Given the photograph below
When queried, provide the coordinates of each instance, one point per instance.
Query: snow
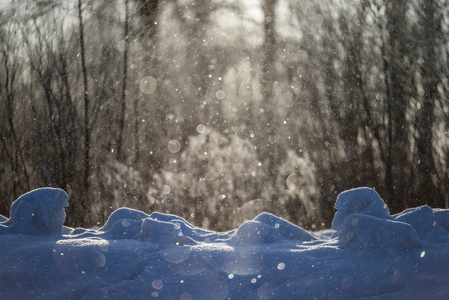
(367, 254)
(364, 232)
(38, 212)
(362, 200)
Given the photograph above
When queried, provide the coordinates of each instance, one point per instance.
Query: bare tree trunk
(119, 154)
(86, 109)
(267, 78)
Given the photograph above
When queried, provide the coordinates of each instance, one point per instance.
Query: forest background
(213, 110)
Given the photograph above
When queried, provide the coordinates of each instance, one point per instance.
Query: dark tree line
(217, 110)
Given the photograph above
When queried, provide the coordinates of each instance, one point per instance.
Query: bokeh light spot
(157, 284)
(165, 189)
(220, 95)
(121, 45)
(174, 146)
(148, 85)
(186, 296)
(201, 128)
(293, 181)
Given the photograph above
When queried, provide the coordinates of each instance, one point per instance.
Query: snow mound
(363, 200)
(421, 218)
(126, 223)
(195, 233)
(40, 211)
(144, 256)
(372, 233)
(285, 228)
(123, 214)
(125, 229)
(161, 232)
(256, 233)
(267, 228)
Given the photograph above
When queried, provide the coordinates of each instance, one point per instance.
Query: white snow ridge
(368, 254)
(38, 212)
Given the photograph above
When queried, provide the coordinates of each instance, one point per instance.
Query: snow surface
(368, 254)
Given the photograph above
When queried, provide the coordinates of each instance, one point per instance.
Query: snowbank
(364, 201)
(139, 256)
(38, 212)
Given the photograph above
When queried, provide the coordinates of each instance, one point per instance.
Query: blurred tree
(9, 133)
(396, 67)
(125, 45)
(268, 123)
(87, 135)
(425, 175)
(209, 181)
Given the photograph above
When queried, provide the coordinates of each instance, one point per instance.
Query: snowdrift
(367, 254)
